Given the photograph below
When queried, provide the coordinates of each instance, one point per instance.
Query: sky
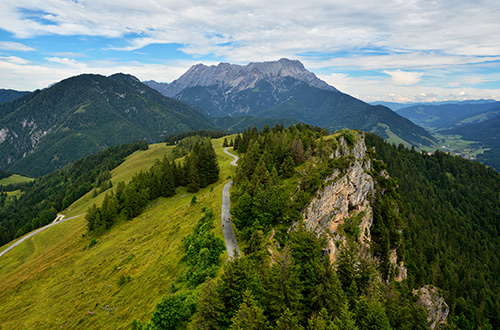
(391, 50)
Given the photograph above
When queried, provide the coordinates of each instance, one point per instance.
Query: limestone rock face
(400, 271)
(234, 78)
(434, 304)
(347, 193)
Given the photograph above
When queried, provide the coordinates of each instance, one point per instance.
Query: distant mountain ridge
(447, 116)
(7, 95)
(235, 78)
(47, 129)
(486, 133)
(396, 106)
(285, 89)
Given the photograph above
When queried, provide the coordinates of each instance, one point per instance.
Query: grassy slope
(14, 178)
(53, 279)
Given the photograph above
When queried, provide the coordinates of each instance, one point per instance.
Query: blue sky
(393, 50)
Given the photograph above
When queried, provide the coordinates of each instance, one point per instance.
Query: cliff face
(347, 195)
(434, 304)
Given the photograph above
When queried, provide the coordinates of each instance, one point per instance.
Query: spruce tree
(288, 321)
(209, 311)
(287, 167)
(249, 316)
(283, 291)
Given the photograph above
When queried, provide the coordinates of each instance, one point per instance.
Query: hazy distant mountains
(7, 95)
(396, 106)
(285, 89)
(47, 129)
(446, 116)
(486, 131)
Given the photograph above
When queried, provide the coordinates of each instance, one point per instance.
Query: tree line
(199, 169)
(43, 198)
(173, 139)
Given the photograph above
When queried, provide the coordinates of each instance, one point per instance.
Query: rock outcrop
(347, 194)
(437, 309)
(234, 78)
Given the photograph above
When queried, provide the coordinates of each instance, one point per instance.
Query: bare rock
(346, 193)
(434, 304)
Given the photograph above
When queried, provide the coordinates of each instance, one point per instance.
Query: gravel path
(58, 219)
(227, 227)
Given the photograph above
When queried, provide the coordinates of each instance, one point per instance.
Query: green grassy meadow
(55, 280)
(14, 178)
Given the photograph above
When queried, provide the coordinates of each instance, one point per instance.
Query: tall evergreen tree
(209, 310)
(249, 316)
(288, 321)
(283, 291)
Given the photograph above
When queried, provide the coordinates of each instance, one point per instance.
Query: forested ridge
(43, 198)
(451, 208)
(295, 287)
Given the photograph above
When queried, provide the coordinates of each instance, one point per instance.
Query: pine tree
(209, 311)
(91, 217)
(283, 292)
(345, 319)
(249, 316)
(319, 321)
(287, 167)
(288, 321)
(225, 143)
(109, 210)
(371, 315)
(193, 178)
(297, 151)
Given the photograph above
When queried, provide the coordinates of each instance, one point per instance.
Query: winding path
(58, 219)
(227, 227)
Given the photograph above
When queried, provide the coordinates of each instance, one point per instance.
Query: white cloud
(20, 74)
(269, 27)
(405, 78)
(13, 59)
(375, 88)
(15, 46)
(412, 41)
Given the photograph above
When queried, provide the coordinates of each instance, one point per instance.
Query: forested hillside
(41, 199)
(451, 207)
(85, 114)
(284, 280)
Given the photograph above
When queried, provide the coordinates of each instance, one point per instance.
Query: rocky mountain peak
(234, 78)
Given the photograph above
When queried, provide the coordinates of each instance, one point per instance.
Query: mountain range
(450, 115)
(396, 106)
(285, 89)
(85, 114)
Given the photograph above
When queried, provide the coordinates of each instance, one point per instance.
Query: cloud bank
(411, 41)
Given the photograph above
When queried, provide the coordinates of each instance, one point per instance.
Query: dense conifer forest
(451, 208)
(42, 199)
